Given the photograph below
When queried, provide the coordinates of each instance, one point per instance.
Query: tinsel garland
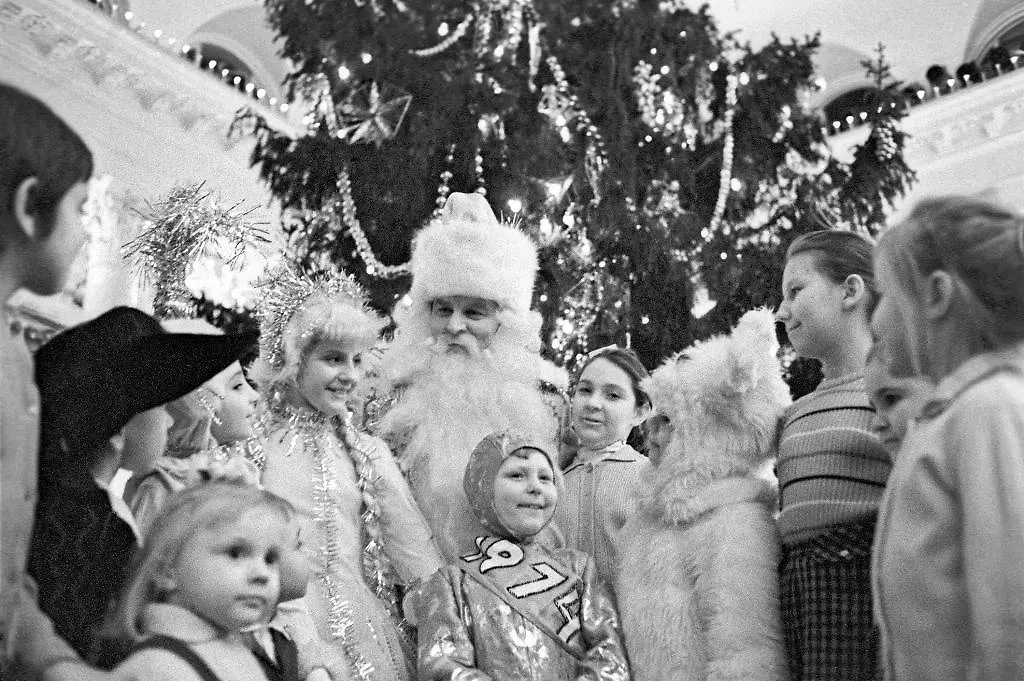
(184, 227)
(596, 160)
(283, 291)
(374, 266)
(309, 428)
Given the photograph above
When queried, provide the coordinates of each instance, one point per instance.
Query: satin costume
(511, 609)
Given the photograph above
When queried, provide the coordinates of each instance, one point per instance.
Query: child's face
(145, 439)
(57, 251)
(237, 407)
(295, 567)
(329, 375)
(524, 492)
(896, 402)
(604, 405)
(463, 324)
(811, 307)
(230, 574)
(658, 431)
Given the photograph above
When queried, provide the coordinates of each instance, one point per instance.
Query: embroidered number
(501, 553)
(568, 605)
(549, 579)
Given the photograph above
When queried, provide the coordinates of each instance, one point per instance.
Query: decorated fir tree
(659, 163)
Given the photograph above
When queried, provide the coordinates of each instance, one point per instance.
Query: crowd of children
(515, 533)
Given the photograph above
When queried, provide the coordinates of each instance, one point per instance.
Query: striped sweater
(831, 468)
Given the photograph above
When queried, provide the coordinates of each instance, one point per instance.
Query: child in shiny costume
(510, 608)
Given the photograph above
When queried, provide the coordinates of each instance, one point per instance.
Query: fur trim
(467, 252)
(724, 398)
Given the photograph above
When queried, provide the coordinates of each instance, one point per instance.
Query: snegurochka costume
(513, 609)
(363, 533)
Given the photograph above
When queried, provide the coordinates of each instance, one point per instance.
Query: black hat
(93, 378)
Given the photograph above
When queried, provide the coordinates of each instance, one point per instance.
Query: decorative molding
(956, 123)
(71, 40)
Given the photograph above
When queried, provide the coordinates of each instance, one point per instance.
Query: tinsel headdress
(183, 228)
(295, 309)
(467, 252)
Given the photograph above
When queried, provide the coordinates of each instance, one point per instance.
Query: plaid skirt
(825, 589)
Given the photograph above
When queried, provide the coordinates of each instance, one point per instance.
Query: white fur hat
(467, 252)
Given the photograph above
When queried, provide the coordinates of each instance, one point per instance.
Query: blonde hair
(978, 242)
(186, 513)
(318, 318)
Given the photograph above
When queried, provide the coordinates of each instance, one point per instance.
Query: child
(897, 400)
(102, 385)
(210, 570)
(44, 170)
(515, 609)
(359, 518)
(607, 403)
(949, 550)
(831, 468)
(207, 438)
(697, 584)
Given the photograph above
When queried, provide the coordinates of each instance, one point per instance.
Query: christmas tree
(660, 164)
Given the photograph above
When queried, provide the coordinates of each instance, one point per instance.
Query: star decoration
(372, 113)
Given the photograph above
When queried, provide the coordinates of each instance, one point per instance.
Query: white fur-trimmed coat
(698, 588)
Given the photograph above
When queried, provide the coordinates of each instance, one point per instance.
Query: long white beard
(449, 405)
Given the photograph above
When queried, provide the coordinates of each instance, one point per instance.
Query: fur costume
(697, 582)
(442, 405)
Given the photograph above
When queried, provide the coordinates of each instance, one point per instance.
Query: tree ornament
(884, 138)
(556, 105)
(372, 113)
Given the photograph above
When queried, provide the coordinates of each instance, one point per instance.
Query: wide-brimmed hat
(467, 252)
(93, 378)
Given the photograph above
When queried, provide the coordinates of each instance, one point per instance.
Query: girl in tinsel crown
(364, 534)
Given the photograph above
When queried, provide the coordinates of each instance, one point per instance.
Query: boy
(102, 384)
(44, 168)
(512, 608)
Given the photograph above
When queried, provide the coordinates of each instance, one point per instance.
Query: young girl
(949, 549)
(515, 609)
(831, 468)
(606, 405)
(364, 534)
(210, 570)
(207, 439)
